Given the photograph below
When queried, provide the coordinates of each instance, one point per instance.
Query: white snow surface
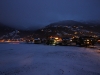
(38, 59)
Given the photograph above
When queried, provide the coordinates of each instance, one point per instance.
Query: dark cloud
(26, 13)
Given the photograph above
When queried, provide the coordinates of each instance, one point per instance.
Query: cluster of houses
(80, 41)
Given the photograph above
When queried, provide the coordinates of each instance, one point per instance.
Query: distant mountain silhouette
(67, 22)
(69, 27)
(61, 28)
(6, 30)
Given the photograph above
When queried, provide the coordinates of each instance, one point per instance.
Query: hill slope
(69, 28)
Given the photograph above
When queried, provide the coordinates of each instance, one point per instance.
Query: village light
(39, 38)
(75, 33)
(84, 40)
(87, 40)
(99, 40)
(42, 30)
(70, 40)
(56, 38)
(53, 44)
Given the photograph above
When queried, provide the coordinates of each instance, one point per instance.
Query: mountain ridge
(61, 28)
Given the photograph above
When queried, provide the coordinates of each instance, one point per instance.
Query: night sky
(27, 13)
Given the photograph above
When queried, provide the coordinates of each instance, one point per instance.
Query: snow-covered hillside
(69, 28)
(13, 35)
(33, 59)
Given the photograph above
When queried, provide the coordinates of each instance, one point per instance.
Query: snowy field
(38, 59)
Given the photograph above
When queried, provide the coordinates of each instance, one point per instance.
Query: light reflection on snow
(14, 43)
